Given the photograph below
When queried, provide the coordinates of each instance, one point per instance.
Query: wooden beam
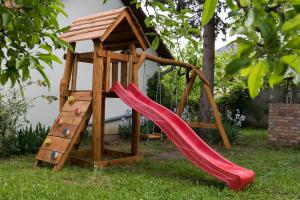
(115, 72)
(135, 115)
(124, 77)
(217, 117)
(186, 93)
(74, 73)
(65, 81)
(98, 69)
(202, 125)
(141, 60)
(142, 39)
(165, 61)
(107, 71)
(119, 161)
(113, 26)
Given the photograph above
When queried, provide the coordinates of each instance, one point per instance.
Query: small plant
(232, 125)
(29, 139)
(125, 129)
(13, 109)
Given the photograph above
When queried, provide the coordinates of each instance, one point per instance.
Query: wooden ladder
(66, 131)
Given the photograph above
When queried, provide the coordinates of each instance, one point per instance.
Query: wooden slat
(98, 69)
(100, 15)
(74, 73)
(119, 161)
(113, 16)
(124, 74)
(45, 155)
(82, 96)
(107, 72)
(130, 68)
(202, 125)
(113, 26)
(80, 31)
(99, 24)
(87, 36)
(82, 105)
(71, 117)
(186, 93)
(57, 131)
(58, 144)
(139, 35)
(115, 72)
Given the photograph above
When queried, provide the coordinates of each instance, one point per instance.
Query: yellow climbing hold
(71, 99)
(48, 142)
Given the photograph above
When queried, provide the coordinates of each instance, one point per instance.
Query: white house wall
(46, 113)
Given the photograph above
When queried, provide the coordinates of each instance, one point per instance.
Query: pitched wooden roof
(114, 26)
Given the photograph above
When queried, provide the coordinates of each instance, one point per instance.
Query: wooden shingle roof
(113, 26)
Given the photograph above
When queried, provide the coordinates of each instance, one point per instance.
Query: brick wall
(284, 124)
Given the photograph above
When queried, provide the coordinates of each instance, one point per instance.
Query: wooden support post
(114, 72)
(124, 76)
(217, 116)
(102, 125)
(74, 73)
(65, 81)
(186, 93)
(135, 115)
(98, 68)
(107, 72)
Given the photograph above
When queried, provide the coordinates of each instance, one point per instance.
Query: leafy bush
(232, 125)
(13, 109)
(29, 140)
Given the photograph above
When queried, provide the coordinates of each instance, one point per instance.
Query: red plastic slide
(186, 140)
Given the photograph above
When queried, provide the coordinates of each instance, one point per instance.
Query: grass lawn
(163, 174)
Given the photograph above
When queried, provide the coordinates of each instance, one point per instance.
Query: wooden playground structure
(117, 38)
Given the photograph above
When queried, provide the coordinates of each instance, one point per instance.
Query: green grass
(157, 177)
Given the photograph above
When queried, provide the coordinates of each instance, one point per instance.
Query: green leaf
(235, 65)
(155, 43)
(255, 79)
(291, 24)
(5, 19)
(231, 5)
(208, 10)
(293, 61)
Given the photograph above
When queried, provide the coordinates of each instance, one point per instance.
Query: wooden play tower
(116, 37)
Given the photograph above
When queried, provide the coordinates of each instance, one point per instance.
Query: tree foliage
(28, 35)
(267, 43)
(267, 34)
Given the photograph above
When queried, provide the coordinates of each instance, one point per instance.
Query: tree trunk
(208, 60)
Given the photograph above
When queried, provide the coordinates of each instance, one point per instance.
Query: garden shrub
(232, 124)
(29, 140)
(13, 109)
